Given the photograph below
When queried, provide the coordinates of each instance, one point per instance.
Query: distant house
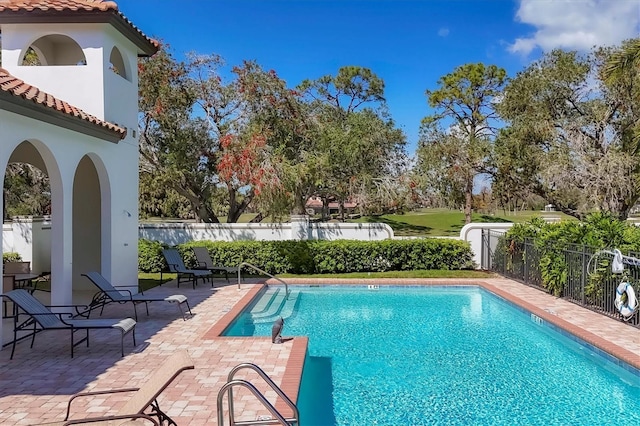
(314, 206)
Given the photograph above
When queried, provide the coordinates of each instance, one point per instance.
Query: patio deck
(37, 383)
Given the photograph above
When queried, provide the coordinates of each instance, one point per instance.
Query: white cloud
(443, 32)
(576, 24)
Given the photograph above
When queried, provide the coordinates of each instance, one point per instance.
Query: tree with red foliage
(283, 118)
(197, 136)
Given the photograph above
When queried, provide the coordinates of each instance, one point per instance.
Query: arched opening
(52, 50)
(26, 191)
(116, 63)
(87, 223)
(27, 195)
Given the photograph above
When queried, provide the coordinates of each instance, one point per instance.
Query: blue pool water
(441, 356)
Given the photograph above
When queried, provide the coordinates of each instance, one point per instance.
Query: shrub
(305, 257)
(150, 257)
(11, 256)
(597, 232)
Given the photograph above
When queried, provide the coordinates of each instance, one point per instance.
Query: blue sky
(410, 44)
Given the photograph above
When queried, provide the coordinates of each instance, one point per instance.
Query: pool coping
(293, 372)
(292, 377)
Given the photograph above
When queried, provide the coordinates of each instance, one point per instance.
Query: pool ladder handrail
(228, 388)
(286, 287)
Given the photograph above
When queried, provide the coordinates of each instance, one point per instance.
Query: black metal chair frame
(41, 318)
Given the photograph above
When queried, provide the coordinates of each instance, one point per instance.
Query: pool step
(265, 302)
(280, 306)
(268, 303)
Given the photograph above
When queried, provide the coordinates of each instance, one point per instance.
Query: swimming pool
(440, 355)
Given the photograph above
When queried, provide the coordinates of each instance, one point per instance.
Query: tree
(350, 89)
(512, 175)
(157, 200)
(570, 137)
(455, 142)
(282, 117)
(624, 60)
(357, 140)
(26, 191)
(173, 144)
(620, 66)
(194, 127)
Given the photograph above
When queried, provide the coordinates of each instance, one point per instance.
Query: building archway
(91, 231)
(36, 154)
(117, 64)
(52, 50)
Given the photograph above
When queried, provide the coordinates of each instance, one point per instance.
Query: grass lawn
(244, 218)
(444, 222)
(422, 223)
(150, 280)
(435, 273)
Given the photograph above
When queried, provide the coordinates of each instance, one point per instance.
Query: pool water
(442, 356)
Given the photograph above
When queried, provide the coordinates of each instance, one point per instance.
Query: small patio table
(14, 281)
(24, 281)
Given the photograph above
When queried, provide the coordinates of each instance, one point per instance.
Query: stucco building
(74, 115)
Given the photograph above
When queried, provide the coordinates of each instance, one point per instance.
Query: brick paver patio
(37, 383)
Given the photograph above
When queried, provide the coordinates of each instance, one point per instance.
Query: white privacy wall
(178, 233)
(18, 237)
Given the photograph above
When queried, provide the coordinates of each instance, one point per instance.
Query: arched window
(116, 63)
(54, 49)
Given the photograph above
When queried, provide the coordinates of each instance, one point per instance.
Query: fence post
(583, 278)
(525, 259)
(483, 262)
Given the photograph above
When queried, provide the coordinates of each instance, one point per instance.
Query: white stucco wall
(91, 87)
(472, 233)
(178, 233)
(62, 151)
(7, 238)
(79, 85)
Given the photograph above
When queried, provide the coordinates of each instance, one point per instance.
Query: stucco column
(62, 241)
(299, 227)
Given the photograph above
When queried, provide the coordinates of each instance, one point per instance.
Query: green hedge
(307, 257)
(150, 257)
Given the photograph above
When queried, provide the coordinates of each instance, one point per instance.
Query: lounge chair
(204, 262)
(176, 265)
(142, 402)
(110, 294)
(41, 318)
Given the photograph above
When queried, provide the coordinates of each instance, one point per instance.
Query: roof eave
(43, 113)
(145, 46)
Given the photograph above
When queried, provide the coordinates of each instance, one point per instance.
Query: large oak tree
(571, 133)
(357, 140)
(196, 138)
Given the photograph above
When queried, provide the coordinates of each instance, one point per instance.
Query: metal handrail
(257, 394)
(267, 379)
(286, 287)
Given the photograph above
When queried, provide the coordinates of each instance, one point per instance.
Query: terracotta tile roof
(75, 7)
(18, 88)
(29, 5)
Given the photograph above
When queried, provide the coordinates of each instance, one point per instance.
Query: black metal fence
(585, 279)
